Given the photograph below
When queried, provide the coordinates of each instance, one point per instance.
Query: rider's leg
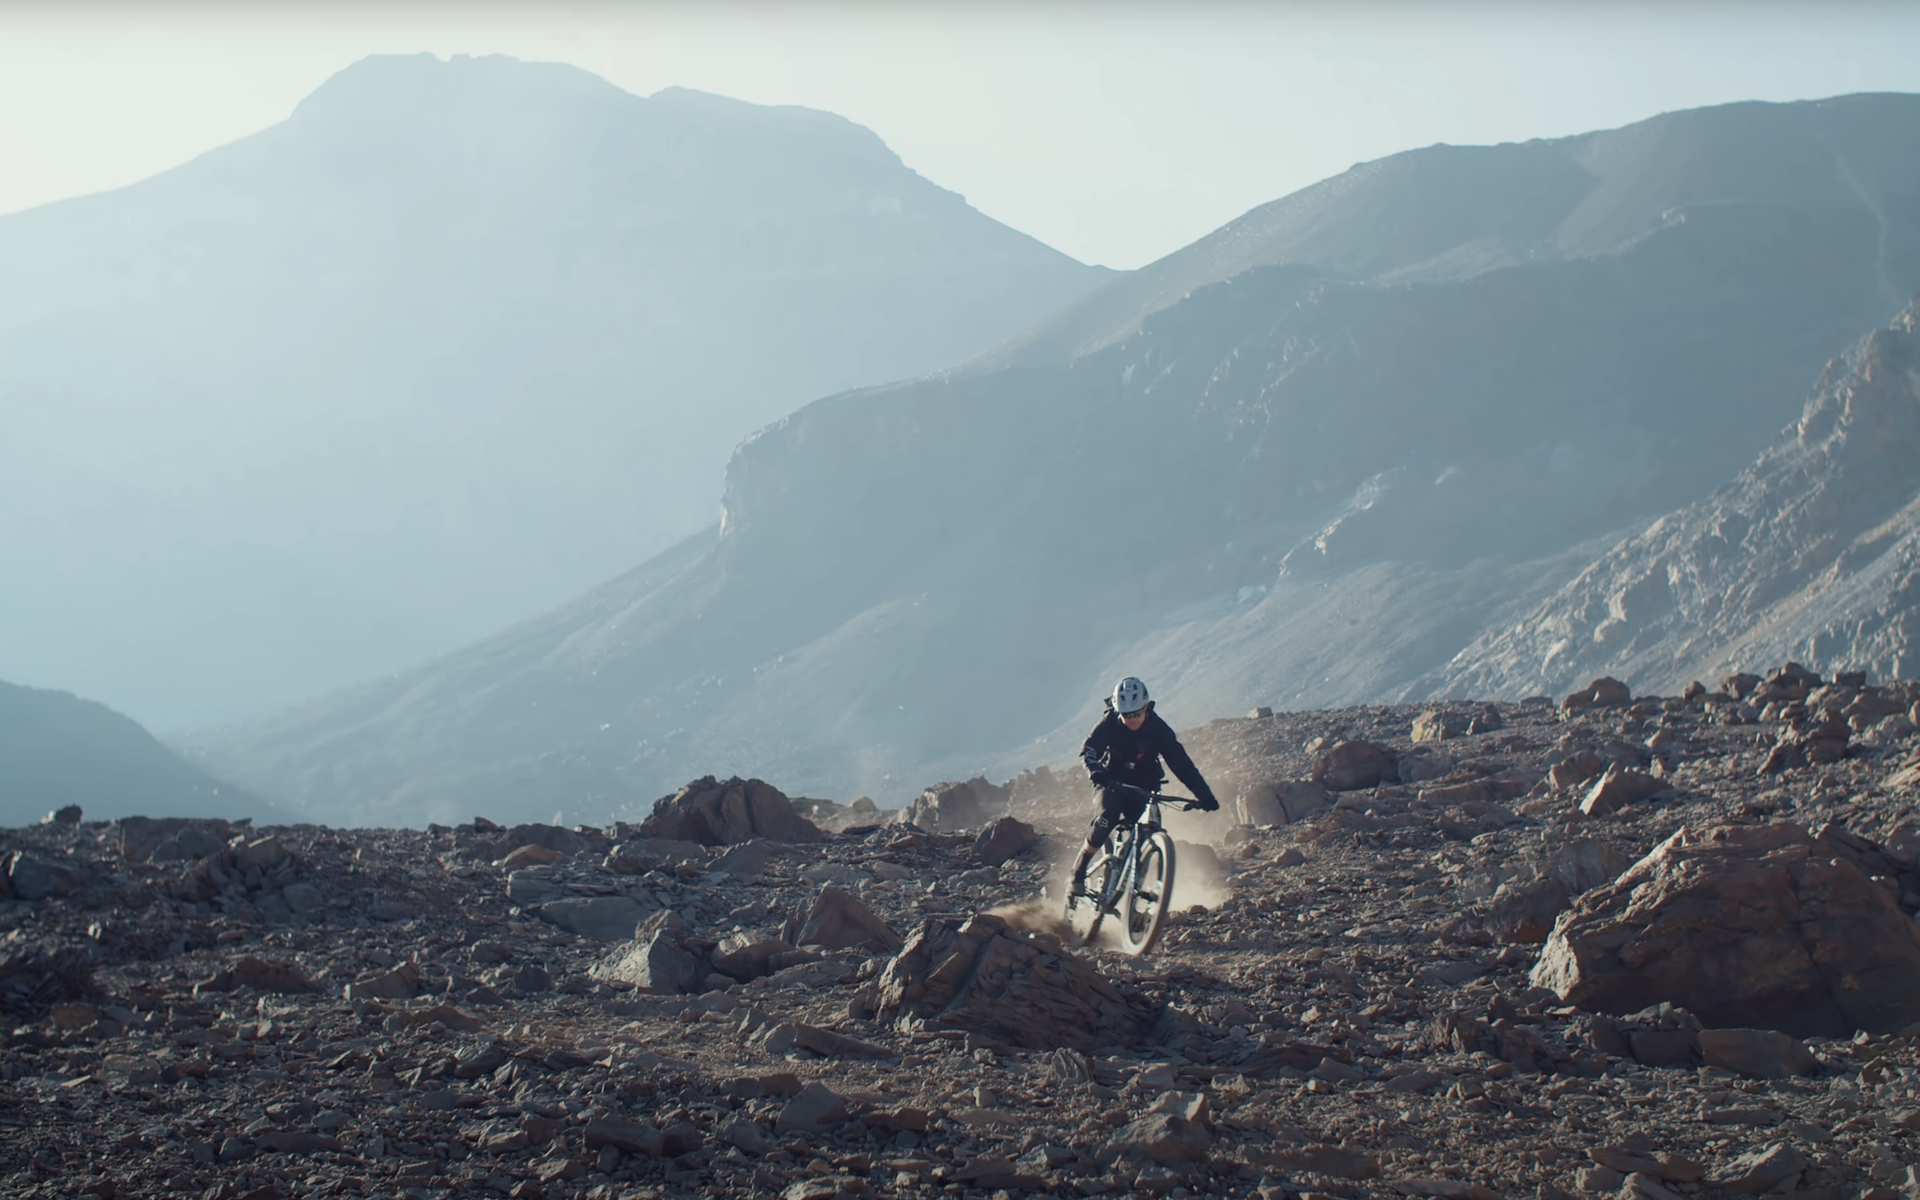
(1117, 807)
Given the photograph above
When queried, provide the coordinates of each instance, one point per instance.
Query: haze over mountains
(57, 749)
(454, 342)
(1812, 553)
(1303, 462)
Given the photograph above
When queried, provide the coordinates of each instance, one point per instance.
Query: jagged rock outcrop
(950, 807)
(1753, 926)
(1812, 553)
(1014, 985)
(838, 921)
(711, 813)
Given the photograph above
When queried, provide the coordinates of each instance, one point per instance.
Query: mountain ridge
(1809, 554)
(1288, 489)
(460, 338)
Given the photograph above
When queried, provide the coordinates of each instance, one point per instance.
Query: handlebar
(1183, 803)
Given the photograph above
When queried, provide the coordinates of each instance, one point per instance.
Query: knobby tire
(1148, 892)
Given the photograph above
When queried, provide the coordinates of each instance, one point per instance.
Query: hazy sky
(1116, 133)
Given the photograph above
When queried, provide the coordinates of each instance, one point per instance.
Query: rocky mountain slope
(1402, 991)
(58, 750)
(1809, 553)
(1292, 487)
(452, 343)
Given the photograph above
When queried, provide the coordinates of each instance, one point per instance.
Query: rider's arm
(1093, 752)
(1183, 769)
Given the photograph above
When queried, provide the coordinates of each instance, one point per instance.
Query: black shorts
(1119, 806)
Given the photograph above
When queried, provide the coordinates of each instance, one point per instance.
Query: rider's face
(1134, 720)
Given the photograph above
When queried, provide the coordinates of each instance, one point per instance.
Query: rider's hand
(1100, 779)
(1207, 804)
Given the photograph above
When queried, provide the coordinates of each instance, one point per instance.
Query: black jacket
(1113, 753)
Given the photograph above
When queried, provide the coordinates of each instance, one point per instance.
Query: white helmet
(1129, 696)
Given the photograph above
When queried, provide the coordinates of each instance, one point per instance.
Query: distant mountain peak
(381, 83)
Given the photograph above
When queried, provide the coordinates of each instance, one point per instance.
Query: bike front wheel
(1085, 913)
(1149, 890)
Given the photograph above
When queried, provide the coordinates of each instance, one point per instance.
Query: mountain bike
(1129, 878)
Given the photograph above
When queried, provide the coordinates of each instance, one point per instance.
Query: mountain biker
(1124, 749)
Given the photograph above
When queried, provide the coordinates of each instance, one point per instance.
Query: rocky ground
(1402, 965)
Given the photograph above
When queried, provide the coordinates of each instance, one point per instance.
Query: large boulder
(838, 921)
(655, 960)
(602, 918)
(1617, 788)
(1006, 838)
(947, 807)
(715, 813)
(1350, 766)
(1604, 692)
(171, 839)
(32, 876)
(1747, 926)
(1007, 983)
(1281, 803)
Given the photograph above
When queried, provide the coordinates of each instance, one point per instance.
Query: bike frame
(1121, 867)
(1129, 849)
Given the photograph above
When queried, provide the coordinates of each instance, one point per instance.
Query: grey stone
(838, 921)
(815, 1110)
(654, 960)
(302, 897)
(628, 1137)
(401, 983)
(1757, 1053)
(1762, 1170)
(602, 918)
(33, 877)
(1164, 1138)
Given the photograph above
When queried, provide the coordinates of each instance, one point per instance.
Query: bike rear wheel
(1085, 913)
(1148, 892)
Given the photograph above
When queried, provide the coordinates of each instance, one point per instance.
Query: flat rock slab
(602, 918)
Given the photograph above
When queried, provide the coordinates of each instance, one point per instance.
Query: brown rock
(1350, 766)
(1281, 803)
(654, 960)
(1575, 769)
(1762, 1170)
(1332, 1160)
(1438, 725)
(1757, 1053)
(530, 856)
(746, 956)
(838, 921)
(1165, 1138)
(1011, 984)
(1746, 927)
(815, 1110)
(1004, 839)
(1662, 1047)
(401, 983)
(628, 1137)
(260, 854)
(948, 807)
(1618, 787)
(1605, 692)
(713, 813)
(824, 1042)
